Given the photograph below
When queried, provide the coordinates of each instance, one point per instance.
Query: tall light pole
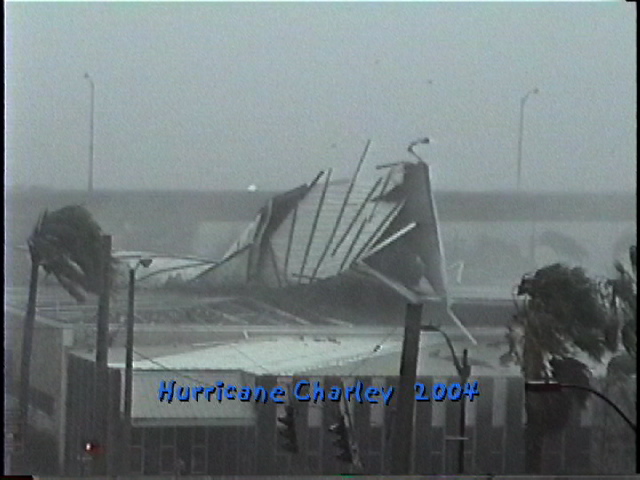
(464, 372)
(91, 116)
(523, 102)
(128, 374)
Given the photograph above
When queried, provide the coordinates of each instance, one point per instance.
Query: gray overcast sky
(223, 95)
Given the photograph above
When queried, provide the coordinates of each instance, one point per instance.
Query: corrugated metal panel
(327, 248)
(231, 271)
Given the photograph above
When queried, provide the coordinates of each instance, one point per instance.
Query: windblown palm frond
(67, 244)
(624, 297)
(567, 310)
(564, 311)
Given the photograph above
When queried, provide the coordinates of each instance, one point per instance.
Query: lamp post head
(145, 262)
(421, 141)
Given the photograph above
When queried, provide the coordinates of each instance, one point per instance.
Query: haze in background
(225, 95)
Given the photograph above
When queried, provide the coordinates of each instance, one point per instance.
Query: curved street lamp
(421, 141)
(464, 372)
(523, 102)
(91, 117)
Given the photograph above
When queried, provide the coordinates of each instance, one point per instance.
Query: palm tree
(624, 292)
(620, 384)
(67, 244)
(563, 314)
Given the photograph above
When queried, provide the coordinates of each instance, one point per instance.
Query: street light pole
(523, 102)
(464, 372)
(128, 374)
(91, 135)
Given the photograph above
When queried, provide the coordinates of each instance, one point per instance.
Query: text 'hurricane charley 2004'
(305, 391)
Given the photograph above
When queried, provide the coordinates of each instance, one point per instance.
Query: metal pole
(101, 389)
(91, 134)
(402, 446)
(463, 410)
(520, 132)
(523, 101)
(128, 374)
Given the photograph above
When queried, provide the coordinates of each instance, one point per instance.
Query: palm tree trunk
(27, 343)
(533, 369)
(533, 439)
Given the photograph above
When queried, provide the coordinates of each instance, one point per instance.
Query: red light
(93, 448)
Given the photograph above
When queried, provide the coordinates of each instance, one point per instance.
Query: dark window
(375, 440)
(231, 450)
(313, 444)
(168, 437)
(167, 460)
(136, 460)
(184, 436)
(136, 437)
(152, 444)
(199, 436)
(314, 463)
(199, 460)
(42, 401)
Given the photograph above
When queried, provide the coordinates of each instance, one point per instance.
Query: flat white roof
(281, 356)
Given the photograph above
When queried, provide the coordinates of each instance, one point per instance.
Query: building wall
(495, 428)
(47, 379)
(79, 424)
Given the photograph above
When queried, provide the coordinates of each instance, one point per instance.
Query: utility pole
(101, 387)
(128, 373)
(91, 134)
(523, 102)
(464, 372)
(402, 445)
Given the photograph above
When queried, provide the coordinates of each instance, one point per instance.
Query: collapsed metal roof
(386, 229)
